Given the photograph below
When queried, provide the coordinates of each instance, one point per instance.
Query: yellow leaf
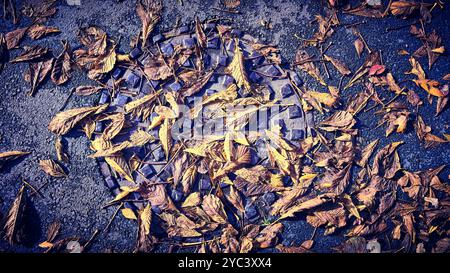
(46, 244)
(146, 218)
(194, 199)
(63, 122)
(236, 68)
(124, 193)
(228, 146)
(119, 164)
(165, 138)
(439, 50)
(128, 213)
(140, 138)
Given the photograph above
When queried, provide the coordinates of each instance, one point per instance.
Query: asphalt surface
(77, 200)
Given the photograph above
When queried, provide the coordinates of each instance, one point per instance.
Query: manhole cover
(215, 124)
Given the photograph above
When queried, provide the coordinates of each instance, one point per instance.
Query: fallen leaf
(52, 168)
(63, 122)
(10, 156)
(236, 68)
(38, 31)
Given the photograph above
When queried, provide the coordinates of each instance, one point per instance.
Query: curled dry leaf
(63, 122)
(268, 237)
(304, 62)
(214, 208)
(31, 54)
(39, 31)
(342, 68)
(200, 34)
(63, 66)
(149, 11)
(52, 168)
(10, 156)
(87, 90)
(359, 47)
(15, 219)
(14, 37)
(236, 68)
(60, 153)
(36, 74)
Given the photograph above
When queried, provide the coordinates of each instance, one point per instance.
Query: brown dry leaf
(117, 121)
(235, 199)
(214, 208)
(302, 60)
(38, 31)
(359, 47)
(200, 34)
(10, 156)
(120, 165)
(231, 4)
(424, 133)
(342, 68)
(292, 249)
(306, 205)
(141, 107)
(31, 54)
(403, 8)
(145, 240)
(236, 68)
(396, 119)
(416, 69)
(140, 138)
(322, 97)
(149, 11)
(52, 168)
(104, 64)
(125, 191)
(413, 98)
(333, 218)
(63, 122)
(14, 37)
(268, 237)
(386, 161)
(271, 53)
(87, 90)
(366, 10)
(188, 178)
(336, 181)
(366, 153)
(14, 222)
(36, 74)
(59, 147)
(392, 84)
(195, 87)
(63, 66)
(441, 104)
(340, 120)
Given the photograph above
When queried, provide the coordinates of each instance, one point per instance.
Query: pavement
(76, 201)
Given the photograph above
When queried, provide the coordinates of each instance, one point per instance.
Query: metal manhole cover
(205, 115)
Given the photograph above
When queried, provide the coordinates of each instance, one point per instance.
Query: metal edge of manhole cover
(272, 80)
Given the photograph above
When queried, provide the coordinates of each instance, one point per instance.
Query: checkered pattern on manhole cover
(176, 173)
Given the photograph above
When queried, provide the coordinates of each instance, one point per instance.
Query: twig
(112, 218)
(32, 187)
(67, 100)
(91, 239)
